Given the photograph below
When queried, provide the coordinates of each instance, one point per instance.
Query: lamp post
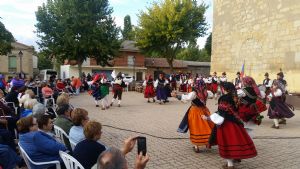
(133, 68)
(21, 56)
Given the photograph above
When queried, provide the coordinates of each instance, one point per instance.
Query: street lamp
(21, 56)
(133, 68)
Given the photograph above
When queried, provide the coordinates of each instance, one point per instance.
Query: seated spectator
(29, 94)
(60, 86)
(39, 146)
(45, 124)
(12, 96)
(8, 118)
(115, 158)
(64, 121)
(76, 84)
(17, 82)
(2, 84)
(38, 110)
(79, 118)
(28, 106)
(64, 98)
(8, 158)
(46, 91)
(88, 150)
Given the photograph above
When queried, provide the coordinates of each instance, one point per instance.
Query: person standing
(214, 85)
(279, 109)
(160, 84)
(149, 89)
(229, 134)
(237, 81)
(104, 90)
(267, 83)
(118, 86)
(199, 128)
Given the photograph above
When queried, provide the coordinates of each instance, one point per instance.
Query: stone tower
(263, 33)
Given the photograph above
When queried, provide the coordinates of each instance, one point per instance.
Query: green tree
(77, 30)
(193, 53)
(208, 44)
(44, 62)
(127, 32)
(168, 26)
(6, 38)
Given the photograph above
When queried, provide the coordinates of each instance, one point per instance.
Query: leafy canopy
(6, 38)
(168, 26)
(78, 29)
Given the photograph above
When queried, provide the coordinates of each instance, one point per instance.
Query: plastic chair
(60, 134)
(72, 143)
(28, 161)
(69, 161)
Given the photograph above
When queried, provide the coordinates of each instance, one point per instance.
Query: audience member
(79, 118)
(45, 124)
(39, 146)
(28, 106)
(88, 150)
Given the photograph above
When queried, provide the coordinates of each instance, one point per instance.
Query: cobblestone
(163, 120)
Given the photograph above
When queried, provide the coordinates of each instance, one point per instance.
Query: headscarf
(250, 82)
(200, 89)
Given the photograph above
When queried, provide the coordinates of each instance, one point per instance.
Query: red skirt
(214, 88)
(209, 86)
(183, 88)
(149, 91)
(261, 107)
(234, 142)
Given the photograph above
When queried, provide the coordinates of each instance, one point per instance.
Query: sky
(18, 16)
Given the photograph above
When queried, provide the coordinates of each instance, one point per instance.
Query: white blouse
(217, 119)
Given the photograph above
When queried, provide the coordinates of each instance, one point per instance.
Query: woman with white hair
(28, 106)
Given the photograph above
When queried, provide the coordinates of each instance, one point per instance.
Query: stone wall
(263, 33)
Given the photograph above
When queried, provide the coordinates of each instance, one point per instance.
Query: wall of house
(265, 34)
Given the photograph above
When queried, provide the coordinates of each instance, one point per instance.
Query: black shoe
(148, 101)
(153, 100)
(119, 105)
(97, 105)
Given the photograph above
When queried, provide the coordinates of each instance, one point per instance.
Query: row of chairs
(69, 161)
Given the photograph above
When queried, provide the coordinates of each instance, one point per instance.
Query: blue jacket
(41, 147)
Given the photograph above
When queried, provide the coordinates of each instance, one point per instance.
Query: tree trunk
(79, 69)
(170, 61)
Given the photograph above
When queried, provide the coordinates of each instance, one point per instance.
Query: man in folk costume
(161, 93)
(215, 84)
(173, 82)
(149, 89)
(267, 83)
(200, 129)
(250, 104)
(104, 88)
(229, 134)
(118, 86)
(183, 82)
(237, 81)
(279, 109)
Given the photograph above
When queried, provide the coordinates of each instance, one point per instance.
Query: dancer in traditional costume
(267, 83)
(95, 92)
(183, 83)
(190, 84)
(161, 93)
(223, 79)
(200, 129)
(279, 109)
(231, 137)
(118, 86)
(250, 104)
(214, 85)
(173, 82)
(208, 82)
(104, 88)
(149, 92)
(238, 81)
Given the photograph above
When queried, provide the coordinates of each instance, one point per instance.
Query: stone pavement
(277, 149)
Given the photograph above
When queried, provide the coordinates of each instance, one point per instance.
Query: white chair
(60, 134)
(13, 106)
(69, 161)
(49, 100)
(28, 161)
(72, 143)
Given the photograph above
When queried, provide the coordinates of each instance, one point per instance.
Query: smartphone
(141, 145)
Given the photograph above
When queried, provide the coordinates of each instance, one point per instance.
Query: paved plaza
(277, 149)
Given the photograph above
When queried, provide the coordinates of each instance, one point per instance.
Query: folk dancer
(161, 93)
(149, 92)
(95, 89)
(238, 81)
(279, 109)
(200, 129)
(214, 85)
(229, 134)
(104, 90)
(118, 86)
(267, 83)
(250, 104)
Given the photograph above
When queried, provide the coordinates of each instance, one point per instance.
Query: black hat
(280, 74)
(224, 73)
(238, 73)
(267, 74)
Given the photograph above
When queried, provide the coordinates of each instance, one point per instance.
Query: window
(12, 63)
(130, 60)
(139, 76)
